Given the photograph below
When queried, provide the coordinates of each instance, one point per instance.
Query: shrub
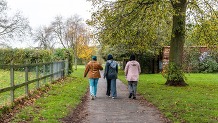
(208, 65)
(22, 56)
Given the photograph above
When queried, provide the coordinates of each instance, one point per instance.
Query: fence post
(58, 70)
(44, 71)
(54, 64)
(51, 71)
(12, 80)
(68, 66)
(62, 69)
(37, 75)
(26, 79)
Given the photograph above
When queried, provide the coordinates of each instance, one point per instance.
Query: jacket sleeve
(139, 68)
(105, 70)
(126, 69)
(86, 70)
(100, 67)
(117, 68)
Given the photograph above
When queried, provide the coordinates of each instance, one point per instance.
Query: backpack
(112, 73)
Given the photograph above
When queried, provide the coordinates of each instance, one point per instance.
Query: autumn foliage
(84, 51)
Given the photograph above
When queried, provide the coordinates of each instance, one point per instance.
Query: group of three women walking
(132, 71)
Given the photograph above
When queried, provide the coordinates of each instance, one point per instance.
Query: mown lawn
(196, 103)
(19, 78)
(58, 102)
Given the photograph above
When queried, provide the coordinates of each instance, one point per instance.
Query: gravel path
(120, 110)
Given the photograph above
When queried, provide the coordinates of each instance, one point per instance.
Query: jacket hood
(112, 63)
(133, 63)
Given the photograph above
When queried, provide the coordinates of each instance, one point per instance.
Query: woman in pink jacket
(132, 71)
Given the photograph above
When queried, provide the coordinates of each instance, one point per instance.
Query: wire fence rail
(18, 76)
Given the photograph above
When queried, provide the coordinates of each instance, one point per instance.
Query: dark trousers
(108, 92)
(132, 86)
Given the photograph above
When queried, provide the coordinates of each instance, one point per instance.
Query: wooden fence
(52, 71)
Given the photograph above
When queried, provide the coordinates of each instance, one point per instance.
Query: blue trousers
(111, 87)
(93, 83)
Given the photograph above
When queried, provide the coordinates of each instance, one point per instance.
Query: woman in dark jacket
(110, 73)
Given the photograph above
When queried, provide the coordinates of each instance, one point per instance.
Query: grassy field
(19, 78)
(196, 103)
(58, 102)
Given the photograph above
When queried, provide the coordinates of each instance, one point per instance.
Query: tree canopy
(147, 25)
(137, 26)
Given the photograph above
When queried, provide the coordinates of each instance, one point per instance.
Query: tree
(175, 74)
(59, 31)
(201, 10)
(133, 24)
(205, 32)
(11, 26)
(68, 33)
(84, 50)
(75, 29)
(43, 35)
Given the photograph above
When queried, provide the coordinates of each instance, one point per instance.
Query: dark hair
(109, 57)
(132, 57)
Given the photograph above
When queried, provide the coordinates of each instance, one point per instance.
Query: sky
(42, 12)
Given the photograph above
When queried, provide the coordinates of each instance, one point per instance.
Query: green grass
(19, 77)
(197, 102)
(58, 102)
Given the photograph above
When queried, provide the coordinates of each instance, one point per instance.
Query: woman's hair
(132, 57)
(109, 57)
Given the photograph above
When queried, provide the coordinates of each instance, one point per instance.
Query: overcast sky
(42, 12)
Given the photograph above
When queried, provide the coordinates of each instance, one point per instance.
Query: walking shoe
(134, 98)
(113, 97)
(92, 97)
(130, 95)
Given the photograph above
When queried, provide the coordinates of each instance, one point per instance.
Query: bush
(21, 56)
(208, 65)
(194, 61)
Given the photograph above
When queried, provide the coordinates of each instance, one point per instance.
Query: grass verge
(197, 102)
(57, 102)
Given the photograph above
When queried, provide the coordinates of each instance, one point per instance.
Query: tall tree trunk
(75, 62)
(175, 73)
(70, 62)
